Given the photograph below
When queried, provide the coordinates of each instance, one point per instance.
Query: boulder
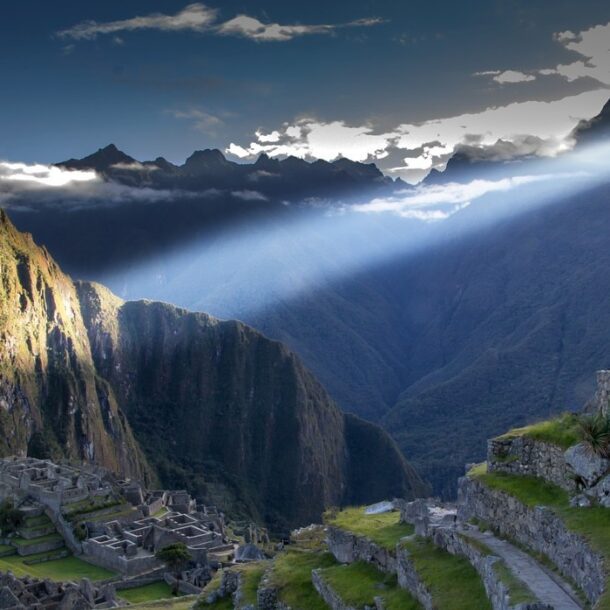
(602, 491)
(586, 464)
(249, 552)
(580, 501)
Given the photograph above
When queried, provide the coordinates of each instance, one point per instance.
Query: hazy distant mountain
(209, 169)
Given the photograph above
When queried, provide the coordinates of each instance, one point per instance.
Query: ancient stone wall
(347, 548)
(537, 528)
(526, 456)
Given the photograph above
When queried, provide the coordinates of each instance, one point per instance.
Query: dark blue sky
(157, 92)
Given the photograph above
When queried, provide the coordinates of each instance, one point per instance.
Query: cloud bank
(200, 18)
(522, 128)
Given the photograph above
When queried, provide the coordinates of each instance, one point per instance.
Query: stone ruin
(34, 594)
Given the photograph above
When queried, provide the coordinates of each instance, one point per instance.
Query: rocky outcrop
(586, 465)
(522, 455)
(348, 548)
(216, 407)
(52, 402)
(538, 528)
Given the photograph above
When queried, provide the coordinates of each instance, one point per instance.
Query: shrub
(595, 433)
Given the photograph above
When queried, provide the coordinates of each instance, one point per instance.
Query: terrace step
(550, 588)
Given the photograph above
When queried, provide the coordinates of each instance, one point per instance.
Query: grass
(30, 542)
(592, 523)
(67, 568)
(453, 583)
(176, 603)
(34, 522)
(291, 574)
(146, 593)
(383, 529)
(251, 575)
(563, 431)
(359, 583)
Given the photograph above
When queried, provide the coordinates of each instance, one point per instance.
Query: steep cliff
(214, 406)
(52, 401)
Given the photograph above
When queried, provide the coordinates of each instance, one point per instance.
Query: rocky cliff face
(52, 401)
(215, 406)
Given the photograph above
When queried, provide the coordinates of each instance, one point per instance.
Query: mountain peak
(101, 160)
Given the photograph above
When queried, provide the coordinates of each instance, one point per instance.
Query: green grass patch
(41, 539)
(291, 574)
(146, 593)
(251, 575)
(453, 583)
(34, 522)
(383, 529)
(176, 603)
(359, 583)
(65, 569)
(563, 431)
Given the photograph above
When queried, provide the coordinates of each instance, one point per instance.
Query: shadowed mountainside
(214, 406)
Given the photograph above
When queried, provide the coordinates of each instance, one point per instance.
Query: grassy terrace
(67, 568)
(562, 431)
(251, 578)
(383, 529)
(359, 583)
(29, 542)
(292, 575)
(592, 523)
(177, 603)
(146, 593)
(453, 583)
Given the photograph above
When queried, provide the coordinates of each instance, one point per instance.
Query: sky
(402, 84)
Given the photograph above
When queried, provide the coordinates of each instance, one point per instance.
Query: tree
(175, 556)
(10, 517)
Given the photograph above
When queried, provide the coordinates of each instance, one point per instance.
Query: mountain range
(483, 332)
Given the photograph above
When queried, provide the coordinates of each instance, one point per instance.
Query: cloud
(31, 187)
(438, 202)
(202, 121)
(200, 18)
(522, 128)
(593, 45)
(135, 166)
(247, 195)
(194, 17)
(252, 28)
(309, 138)
(507, 76)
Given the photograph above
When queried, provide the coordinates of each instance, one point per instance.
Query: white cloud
(198, 17)
(195, 17)
(438, 202)
(521, 128)
(134, 166)
(247, 195)
(507, 76)
(250, 27)
(29, 187)
(43, 175)
(312, 139)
